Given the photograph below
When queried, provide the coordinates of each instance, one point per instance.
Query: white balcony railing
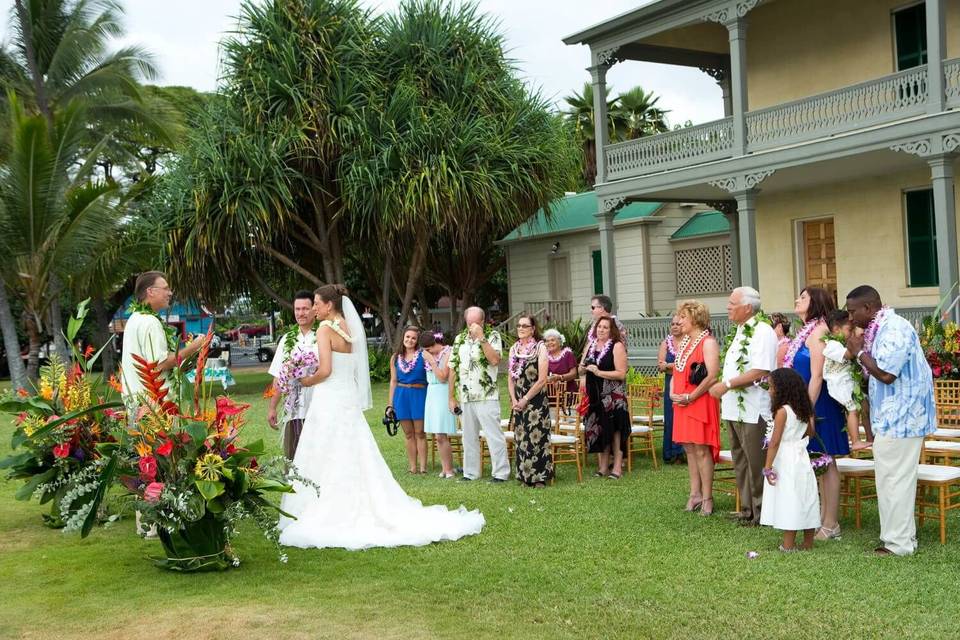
(683, 147)
(886, 99)
(951, 76)
(552, 311)
(883, 100)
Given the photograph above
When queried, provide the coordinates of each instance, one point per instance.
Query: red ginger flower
(154, 384)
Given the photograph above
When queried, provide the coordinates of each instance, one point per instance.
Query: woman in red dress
(696, 416)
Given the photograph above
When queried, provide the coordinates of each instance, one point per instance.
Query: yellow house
(835, 161)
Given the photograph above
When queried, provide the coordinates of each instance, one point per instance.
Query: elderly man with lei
(750, 354)
(902, 411)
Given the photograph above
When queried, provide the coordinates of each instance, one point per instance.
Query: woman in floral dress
(531, 408)
(607, 422)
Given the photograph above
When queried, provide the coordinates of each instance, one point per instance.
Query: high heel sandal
(703, 509)
(823, 533)
(693, 506)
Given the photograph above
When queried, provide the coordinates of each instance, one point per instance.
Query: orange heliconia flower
(114, 383)
(153, 383)
(269, 392)
(143, 449)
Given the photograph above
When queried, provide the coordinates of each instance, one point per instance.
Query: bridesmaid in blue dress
(812, 306)
(408, 397)
(671, 450)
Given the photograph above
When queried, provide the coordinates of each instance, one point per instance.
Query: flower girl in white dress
(790, 499)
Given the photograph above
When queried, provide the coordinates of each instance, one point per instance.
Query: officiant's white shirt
(306, 342)
(144, 336)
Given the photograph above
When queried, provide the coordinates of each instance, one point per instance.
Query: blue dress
(408, 402)
(437, 417)
(831, 424)
(671, 449)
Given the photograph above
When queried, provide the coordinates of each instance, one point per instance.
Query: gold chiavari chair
(643, 400)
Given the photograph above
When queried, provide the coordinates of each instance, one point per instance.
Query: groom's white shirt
(306, 342)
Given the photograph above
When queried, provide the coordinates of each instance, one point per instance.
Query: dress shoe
(497, 480)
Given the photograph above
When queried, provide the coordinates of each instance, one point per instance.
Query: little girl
(790, 500)
(838, 374)
(437, 418)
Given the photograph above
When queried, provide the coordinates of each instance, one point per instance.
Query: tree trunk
(55, 323)
(385, 297)
(33, 354)
(102, 335)
(18, 374)
(418, 263)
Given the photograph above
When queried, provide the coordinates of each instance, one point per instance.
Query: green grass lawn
(601, 559)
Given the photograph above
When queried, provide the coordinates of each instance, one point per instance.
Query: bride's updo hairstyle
(332, 293)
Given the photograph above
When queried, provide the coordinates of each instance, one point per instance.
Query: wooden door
(560, 278)
(820, 255)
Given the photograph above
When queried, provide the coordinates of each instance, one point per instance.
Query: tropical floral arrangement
(189, 474)
(300, 364)
(941, 345)
(58, 431)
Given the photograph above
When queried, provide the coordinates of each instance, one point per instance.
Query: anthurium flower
(148, 468)
(61, 450)
(227, 407)
(152, 492)
(165, 448)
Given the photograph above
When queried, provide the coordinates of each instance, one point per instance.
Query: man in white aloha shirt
(306, 340)
(747, 421)
(479, 397)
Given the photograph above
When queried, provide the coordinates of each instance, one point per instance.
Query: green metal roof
(705, 223)
(572, 213)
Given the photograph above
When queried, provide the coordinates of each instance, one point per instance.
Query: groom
(302, 337)
(473, 373)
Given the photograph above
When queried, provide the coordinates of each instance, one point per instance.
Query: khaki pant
(483, 416)
(746, 446)
(896, 463)
(291, 437)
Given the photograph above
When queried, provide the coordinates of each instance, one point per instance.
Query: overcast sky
(184, 37)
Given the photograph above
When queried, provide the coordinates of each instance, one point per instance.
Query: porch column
(734, 247)
(737, 30)
(936, 52)
(945, 220)
(747, 236)
(607, 260)
(598, 72)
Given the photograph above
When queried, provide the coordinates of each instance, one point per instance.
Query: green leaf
(76, 321)
(16, 461)
(31, 485)
(50, 426)
(209, 489)
(215, 506)
(266, 484)
(31, 404)
(105, 480)
(197, 432)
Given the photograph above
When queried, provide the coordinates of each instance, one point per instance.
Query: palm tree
(60, 54)
(580, 117)
(51, 217)
(638, 114)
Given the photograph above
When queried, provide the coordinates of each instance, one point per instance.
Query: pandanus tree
(257, 186)
(460, 153)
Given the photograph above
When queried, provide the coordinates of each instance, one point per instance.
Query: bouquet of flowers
(301, 363)
(189, 474)
(941, 344)
(59, 429)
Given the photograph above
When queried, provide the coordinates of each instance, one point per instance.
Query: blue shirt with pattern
(905, 408)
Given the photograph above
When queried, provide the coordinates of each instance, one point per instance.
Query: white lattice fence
(704, 270)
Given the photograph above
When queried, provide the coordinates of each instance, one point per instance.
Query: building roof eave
(648, 12)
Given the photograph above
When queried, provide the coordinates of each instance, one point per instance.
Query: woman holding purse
(696, 416)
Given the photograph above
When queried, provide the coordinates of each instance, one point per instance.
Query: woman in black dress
(527, 380)
(607, 423)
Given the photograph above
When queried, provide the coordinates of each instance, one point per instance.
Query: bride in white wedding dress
(359, 505)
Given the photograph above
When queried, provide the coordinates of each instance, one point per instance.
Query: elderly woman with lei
(607, 421)
(561, 361)
(672, 452)
(529, 366)
(805, 356)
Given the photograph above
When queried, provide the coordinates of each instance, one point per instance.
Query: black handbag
(698, 372)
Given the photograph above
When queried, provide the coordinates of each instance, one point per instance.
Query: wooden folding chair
(856, 485)
(946, 399)
(642, 402)
(568, 446)
(725, 478)
(938, 491)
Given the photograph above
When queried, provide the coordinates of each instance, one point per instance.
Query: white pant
(483, 416)
(897, 461)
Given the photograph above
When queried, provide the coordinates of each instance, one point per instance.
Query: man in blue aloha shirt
(901, 411)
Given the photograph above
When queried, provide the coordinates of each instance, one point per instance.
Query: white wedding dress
(360, 505)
